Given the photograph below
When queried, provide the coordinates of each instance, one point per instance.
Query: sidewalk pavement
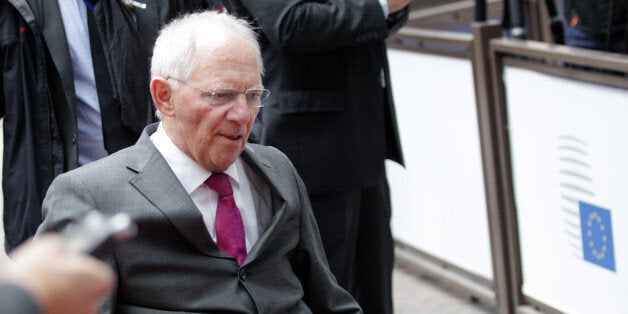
(415, 295)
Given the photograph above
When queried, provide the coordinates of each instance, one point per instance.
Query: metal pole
(556, 23)
(480, 10)
(517, 24)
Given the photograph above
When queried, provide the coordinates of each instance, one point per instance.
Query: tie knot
(219, 182)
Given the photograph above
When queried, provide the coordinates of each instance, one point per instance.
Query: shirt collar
(187, 170)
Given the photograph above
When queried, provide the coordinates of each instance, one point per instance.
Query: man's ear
(161, 92)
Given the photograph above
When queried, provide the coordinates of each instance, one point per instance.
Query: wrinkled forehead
(229, 54)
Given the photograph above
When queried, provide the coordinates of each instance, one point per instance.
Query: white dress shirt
(192, 177)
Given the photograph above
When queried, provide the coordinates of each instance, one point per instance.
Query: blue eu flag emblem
(597, 235)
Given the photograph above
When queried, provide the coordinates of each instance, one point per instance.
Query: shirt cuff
(384, 5)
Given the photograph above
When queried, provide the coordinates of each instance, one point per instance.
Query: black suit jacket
(331, 109)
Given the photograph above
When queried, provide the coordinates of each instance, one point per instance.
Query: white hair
(174, 54)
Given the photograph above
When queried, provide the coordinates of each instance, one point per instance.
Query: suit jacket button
(242, 275)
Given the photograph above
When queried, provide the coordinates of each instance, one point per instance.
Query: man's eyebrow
(223, 86)
(230, 87)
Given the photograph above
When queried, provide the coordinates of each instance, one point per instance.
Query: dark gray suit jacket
(14, 299)
(174, 265)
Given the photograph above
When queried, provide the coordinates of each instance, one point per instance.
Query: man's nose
(239, 111)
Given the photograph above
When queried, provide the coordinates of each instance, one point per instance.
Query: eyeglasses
(219, 97)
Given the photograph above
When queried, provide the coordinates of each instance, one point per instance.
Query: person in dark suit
(600, 25)
(73, 89)
(44, 277)
(332, 113)
(223, 226)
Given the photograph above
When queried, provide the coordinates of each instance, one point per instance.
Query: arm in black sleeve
(301, 27)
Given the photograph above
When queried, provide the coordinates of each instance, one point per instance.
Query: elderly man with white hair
(223, 226)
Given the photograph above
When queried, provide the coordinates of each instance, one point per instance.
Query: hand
(396, 5)
(60, 281)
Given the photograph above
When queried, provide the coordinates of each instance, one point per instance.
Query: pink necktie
(229, 226)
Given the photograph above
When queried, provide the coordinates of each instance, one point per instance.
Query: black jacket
(330, 108)
(599, 17)
(37, 102)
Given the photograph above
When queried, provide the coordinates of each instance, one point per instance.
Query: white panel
(438, 199)
(569, 144)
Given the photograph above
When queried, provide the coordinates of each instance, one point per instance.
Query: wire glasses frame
(219, 97)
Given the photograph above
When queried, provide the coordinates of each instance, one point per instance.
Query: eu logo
(597, 235)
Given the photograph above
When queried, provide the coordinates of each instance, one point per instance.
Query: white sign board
(438, 200)
(569, 150)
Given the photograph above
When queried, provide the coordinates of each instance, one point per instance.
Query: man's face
(215, 136)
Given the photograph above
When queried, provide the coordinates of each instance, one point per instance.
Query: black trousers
(355, 229)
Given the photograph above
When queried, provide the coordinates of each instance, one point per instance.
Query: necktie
(229, 226)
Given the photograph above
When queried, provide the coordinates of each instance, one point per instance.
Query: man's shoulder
(130, 158)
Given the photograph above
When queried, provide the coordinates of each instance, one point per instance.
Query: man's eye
(254, 95)
(222, 95)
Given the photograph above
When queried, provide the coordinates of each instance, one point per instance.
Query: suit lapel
(268, 174)
(57, 43)
(156, 181)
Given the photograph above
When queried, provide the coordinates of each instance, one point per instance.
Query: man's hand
(60, 281)
(396, 5)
